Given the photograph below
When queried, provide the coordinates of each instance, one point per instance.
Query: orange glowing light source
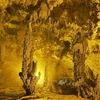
(36, 74)
(41, 80)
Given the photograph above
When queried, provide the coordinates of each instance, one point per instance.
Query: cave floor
(16, 93)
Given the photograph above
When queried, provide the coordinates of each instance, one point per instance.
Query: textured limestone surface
(55, 28)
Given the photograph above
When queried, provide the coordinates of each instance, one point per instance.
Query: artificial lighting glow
(41, 69)
(41, 79)
(36, 74)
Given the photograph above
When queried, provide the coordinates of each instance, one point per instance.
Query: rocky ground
(11, 93)
(16, 93)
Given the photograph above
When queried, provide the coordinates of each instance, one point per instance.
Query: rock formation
(55, 28)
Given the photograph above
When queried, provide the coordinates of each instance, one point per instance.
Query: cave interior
(50, 49)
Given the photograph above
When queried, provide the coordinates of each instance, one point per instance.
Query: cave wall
(10, 61)
(66, 18)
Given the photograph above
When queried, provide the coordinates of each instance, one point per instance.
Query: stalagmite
(28, 65)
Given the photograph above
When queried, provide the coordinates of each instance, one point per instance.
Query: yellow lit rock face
(3, 4)
(93, 59)
(53, 22)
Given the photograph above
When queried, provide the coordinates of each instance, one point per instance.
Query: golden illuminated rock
(54, 27)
